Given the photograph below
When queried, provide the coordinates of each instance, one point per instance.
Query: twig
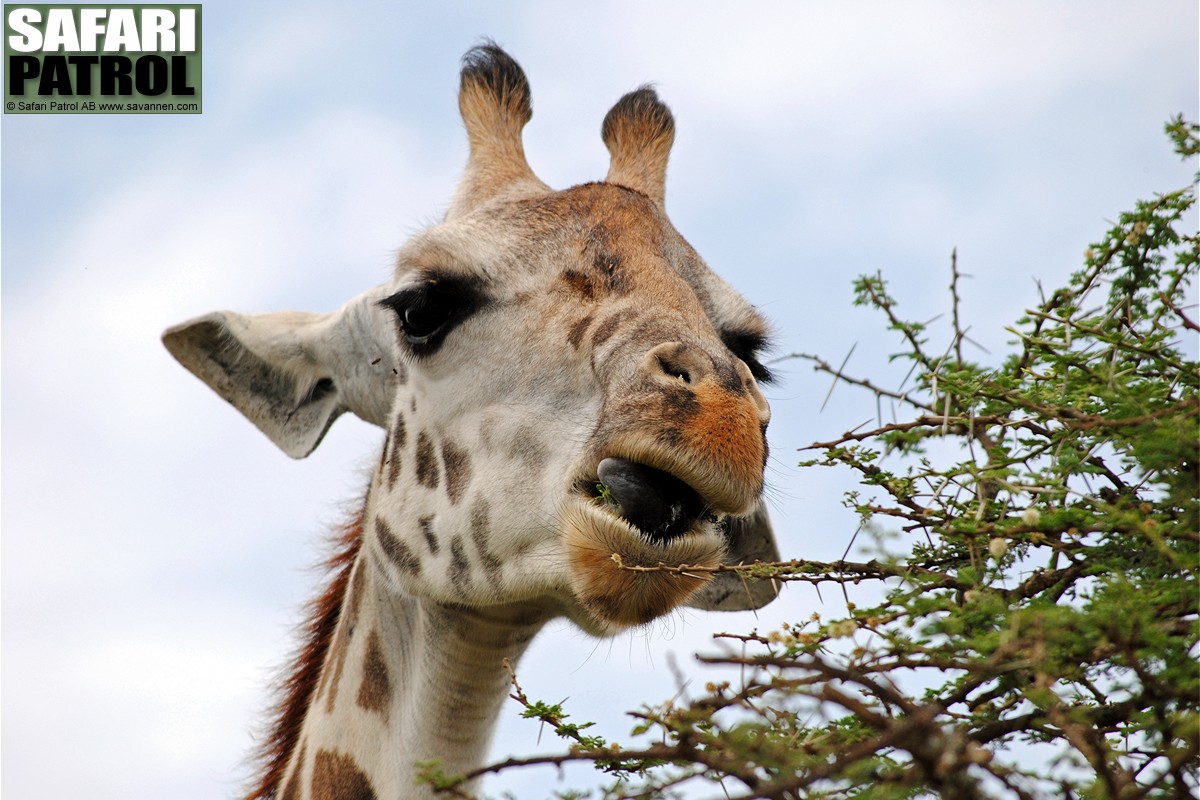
(1187, 323)
(822, 365)
(837, 375)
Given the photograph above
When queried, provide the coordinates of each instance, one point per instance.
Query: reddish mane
(299, 683)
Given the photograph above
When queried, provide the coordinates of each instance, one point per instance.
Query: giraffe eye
(427, 312)
(427, 315)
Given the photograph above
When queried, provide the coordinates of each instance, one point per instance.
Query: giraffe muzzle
(622, 520)
(655, 502)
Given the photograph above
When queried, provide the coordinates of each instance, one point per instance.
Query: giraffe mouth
(639, 540)
(655, 503)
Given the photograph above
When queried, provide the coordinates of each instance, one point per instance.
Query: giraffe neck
(407, 680)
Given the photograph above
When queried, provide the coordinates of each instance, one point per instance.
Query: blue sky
(156, 548)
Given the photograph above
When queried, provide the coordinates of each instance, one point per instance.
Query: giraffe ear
(748, 539)
(638, 132)
(494, 101)
(293, 373)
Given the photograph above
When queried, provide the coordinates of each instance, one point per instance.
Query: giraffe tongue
(655, 502)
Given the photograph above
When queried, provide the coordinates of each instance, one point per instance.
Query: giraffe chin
(620, 598)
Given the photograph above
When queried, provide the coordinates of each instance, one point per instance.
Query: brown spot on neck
(338, 777)
(341, 640)
(375, 691)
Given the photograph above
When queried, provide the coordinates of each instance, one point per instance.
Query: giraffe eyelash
(747, 345)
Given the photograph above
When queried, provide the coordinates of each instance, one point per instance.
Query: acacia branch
(807, 571)
(821, 365)
(1187, 323)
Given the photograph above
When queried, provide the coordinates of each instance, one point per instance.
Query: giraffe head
(567, 388)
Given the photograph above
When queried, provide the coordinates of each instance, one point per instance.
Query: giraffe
(566, 388)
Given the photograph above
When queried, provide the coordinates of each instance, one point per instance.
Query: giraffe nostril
(655, 502)
(674, 369)
(675, 361)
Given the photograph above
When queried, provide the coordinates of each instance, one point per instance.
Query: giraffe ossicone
(566, 388)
